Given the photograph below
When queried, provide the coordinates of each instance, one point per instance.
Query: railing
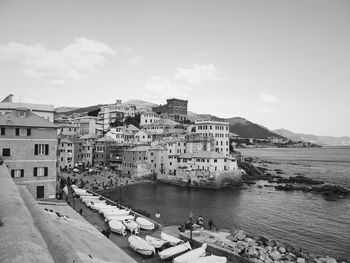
(158, 225)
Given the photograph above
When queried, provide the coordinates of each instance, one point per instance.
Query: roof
(162, 122)
(205, 154)
(106, 138)
(139, 149)
(31, 120)
(132, 128)
(31, 106)
(158, 147)
(89, 136)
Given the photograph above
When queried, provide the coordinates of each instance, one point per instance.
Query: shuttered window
(41, 171)
(16, 173)
(41, 149)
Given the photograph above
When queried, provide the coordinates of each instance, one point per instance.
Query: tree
(133, 120)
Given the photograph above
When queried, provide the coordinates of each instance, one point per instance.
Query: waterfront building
(148, 117)
(45, 111)
(88, 148)
(174, 109)
(158, 160)
(197, 143)
(102, 150)
(135, 162)
(70, 153)
(28, 145)
(217, 130)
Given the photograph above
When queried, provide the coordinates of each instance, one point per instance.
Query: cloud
(73, 62)
(268, 98)
(136, 60)
(158, 88)
(265, 111)
(199, 74)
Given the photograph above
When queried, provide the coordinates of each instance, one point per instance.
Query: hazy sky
(277, 63)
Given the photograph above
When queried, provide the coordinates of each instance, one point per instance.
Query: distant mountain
(65, 109)
(321, 140)
(142, 105)
(239, 126)
(81, 110)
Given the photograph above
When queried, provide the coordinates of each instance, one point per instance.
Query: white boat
(210, 259)
(145, 223)
(174, 251)
(130, 224)
(156, 242)
(170, 239)
(115, 212)
(65, 190)
(117, 226)
(119, 218)
(141, 246)
(190, 256)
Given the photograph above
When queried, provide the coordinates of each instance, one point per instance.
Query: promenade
(48, 231)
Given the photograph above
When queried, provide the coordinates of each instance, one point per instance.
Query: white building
(148, 117)
(87, 124)
(217, 130)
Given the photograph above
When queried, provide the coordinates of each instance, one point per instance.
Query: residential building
(197, 143)
(70, 153)
(207, 161)
(217, 130)
(174, 109)
(45, 111)
(148, 117)
(102, 156)
(135, 162)
(28, 145)
(164, 126)
(158, 160)
(87, 124)
(143, 137)
(88, 148)
(67, 130)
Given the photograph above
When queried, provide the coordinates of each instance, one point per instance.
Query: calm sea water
(302, 219)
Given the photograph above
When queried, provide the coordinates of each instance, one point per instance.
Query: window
(22, 114)
(41, 171)
(29, 132)
(2, 132)
(41, 149)
(6, 152)
(17, 131)
(16, 173)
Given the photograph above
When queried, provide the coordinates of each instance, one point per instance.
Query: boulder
(300, 260)
(240, 235)
(250, 242)
(282, 250)
(275, 255)
(241, 245)
(330, 260)
(268, 248)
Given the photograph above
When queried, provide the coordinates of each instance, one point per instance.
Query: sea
(304, 220)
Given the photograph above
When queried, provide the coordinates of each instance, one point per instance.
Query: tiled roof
(205, 154)
(106, 138)
(162, 122)
(89, 136)
(139, 149)
(31, 120)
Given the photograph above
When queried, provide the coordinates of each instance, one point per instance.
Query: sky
(281, 64)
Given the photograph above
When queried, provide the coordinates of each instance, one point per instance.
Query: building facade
(219, 131)
(28, 145)
(174, 109)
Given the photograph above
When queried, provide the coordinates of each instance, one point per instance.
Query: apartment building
(28, 145)
(87, 124)
(135, 162)
(70, 153)
(217, 130)
(102, 150)
(148, 117)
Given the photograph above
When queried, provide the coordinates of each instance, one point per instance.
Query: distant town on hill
(238, 125)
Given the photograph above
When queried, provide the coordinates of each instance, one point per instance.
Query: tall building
(28, 145)
(217, 130)
(174, 109)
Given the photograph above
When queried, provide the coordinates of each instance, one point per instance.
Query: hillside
(64, 109)
(142, 105)
(239, 126)
(321, 140)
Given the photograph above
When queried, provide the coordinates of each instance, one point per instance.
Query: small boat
(141, 246)
(210, 259)
(156, 242)
(145, 223)
(170, 239)
(117, 226)
(65, 190)
(115, 212)
(174, 251)
(190, 256)
(130, 224)
(119, 218)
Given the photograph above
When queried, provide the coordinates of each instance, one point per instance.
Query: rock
(282, 250)
(241, 245)
(330, 260)
(300, 260)
(261, 241)
(250, 242)
(240, 235)
(269, 248)
(275, 255)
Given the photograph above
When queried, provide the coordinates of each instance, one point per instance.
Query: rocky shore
(262, 250)
(291, 183)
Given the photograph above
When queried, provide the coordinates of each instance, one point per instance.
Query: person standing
(211, 224)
